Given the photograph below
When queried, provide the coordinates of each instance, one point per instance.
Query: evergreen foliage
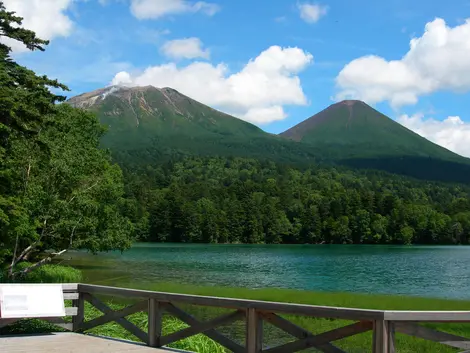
(237, 200)
(58, 189)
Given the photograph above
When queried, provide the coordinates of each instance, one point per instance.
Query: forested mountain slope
(148, 125)
(194, 174)
(354, 134)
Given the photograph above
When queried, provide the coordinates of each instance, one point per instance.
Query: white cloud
(264, 115)
(452, 133)
(257, 93)
(311, 13)
(438, 60)
(122, 78)
(46, 18)
(187, 48)
(151, 9)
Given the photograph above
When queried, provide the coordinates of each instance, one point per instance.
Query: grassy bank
(360, 343)
(352, 300)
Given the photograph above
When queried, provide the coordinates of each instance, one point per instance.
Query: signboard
(31, 300)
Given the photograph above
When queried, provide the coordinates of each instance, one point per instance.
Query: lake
(429, 271)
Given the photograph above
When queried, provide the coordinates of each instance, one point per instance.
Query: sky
(273, 63)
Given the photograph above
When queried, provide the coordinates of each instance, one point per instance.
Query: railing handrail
(383, 323)
(236, 303)
(281, 307)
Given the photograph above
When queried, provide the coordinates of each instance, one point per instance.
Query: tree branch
(87, 189)
(27, 250)
(39, 263)
(73, 232)
(13, 261)
(32, 246)
(26, 178)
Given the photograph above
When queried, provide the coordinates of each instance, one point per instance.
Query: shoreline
(341, 299)
(136, 244)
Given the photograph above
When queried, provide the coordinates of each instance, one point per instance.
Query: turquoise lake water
(437, 271)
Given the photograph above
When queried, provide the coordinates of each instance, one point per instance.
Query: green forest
(238, 200)
(60, 190)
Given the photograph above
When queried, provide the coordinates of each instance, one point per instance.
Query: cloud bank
(452, 133)
(257, 93)
(47, 18)
(436, 61)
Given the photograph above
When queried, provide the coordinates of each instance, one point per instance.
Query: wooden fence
(382, 323)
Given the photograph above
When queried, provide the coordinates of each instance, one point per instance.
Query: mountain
(353, 133)
(149, 124)
(144, 111)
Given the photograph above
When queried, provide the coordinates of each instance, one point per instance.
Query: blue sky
(271, 62)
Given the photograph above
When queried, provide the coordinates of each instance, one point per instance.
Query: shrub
(45, 274)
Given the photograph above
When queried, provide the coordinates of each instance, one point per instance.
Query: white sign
(31, 300)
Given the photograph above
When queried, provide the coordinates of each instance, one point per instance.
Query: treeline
(236, 200)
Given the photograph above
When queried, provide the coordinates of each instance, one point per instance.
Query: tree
(58, 189)
(405, 235)
(463, 219)
(311, 226)
(379, 229)
(25, 98)
(361, 231)
(70, 195)
(208, 216)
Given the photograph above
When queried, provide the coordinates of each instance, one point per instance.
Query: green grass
(54, 273)
(49, 273)
(46, 274)
(352, 300)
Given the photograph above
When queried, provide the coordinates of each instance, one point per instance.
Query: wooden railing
(382, 323)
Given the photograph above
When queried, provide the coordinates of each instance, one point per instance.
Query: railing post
(254, 331)
(80, 317)
(383, 337)
(155, 323)
(391, 337)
